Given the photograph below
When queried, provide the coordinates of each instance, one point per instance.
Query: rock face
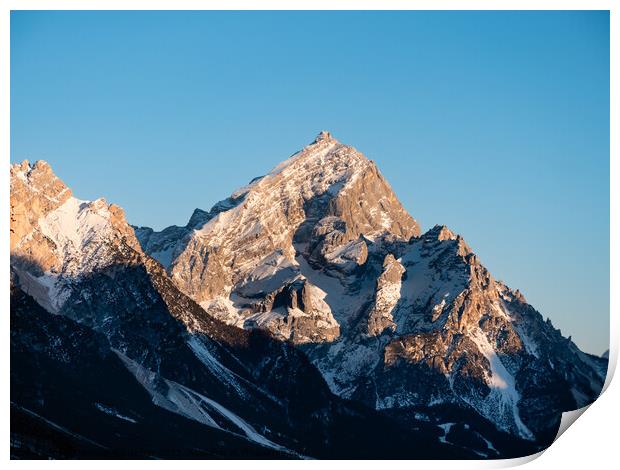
(295, 312)
(441, 331)
(27, 205)
(406, 321)
(387, 294)
(56, 237)
(305, 314)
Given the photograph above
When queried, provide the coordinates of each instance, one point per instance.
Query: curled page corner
(568, 418)
(517, 461)
(612, 360)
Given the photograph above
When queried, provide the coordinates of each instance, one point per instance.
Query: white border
(592, 444)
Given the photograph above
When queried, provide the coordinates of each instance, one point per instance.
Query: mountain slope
(457, 336)
(71, 396)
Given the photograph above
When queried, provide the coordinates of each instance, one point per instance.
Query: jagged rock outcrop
(28, 206)
(457, 336)
(296, 312)
(387, 296)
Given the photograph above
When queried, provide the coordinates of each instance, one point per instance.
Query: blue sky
(495, 124)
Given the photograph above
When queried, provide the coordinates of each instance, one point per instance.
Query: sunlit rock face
(56, 237)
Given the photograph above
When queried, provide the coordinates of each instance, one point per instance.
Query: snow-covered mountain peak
(56, 237)
(320, 252)
(323, 136)
(38, 178)
(35, 191)
(441, 232)
(324, 161)
(324, 182)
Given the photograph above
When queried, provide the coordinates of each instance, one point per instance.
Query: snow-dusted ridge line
(203, 354)
(191, 404)
(249, 431)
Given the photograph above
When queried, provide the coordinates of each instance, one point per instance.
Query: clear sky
(495, 124)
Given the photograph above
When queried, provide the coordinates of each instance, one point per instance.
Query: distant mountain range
(304, 316)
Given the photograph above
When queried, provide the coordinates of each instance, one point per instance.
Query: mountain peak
(320, 200)
(35, 191)
(324, 161)
(59, 234)
(31, 172)
(324, 136)
(37, 180)
(198, 218)
(441, 232)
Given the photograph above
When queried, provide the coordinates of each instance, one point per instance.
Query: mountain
(327, 201)
(319, 252)
(108, 356)
(306, 315)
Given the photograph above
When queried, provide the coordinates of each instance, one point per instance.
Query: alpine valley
(304, 316)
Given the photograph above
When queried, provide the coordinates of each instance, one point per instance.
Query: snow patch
(504, 395)
(164, 256)
(112, 412)
(74, 225)
(189, 403)
(248, 430)
(271, 273)
(212, 364)
(446, 430)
